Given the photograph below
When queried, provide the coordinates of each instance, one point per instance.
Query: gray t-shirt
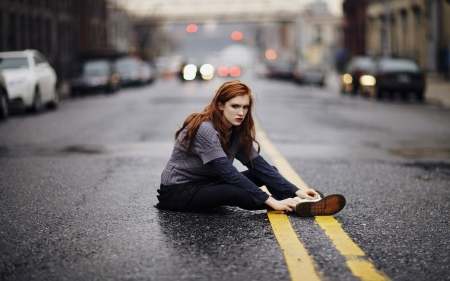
(183, 168)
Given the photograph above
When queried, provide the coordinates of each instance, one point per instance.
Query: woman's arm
(231, 175)
(270, 176)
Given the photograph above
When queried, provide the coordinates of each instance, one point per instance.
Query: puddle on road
(85, 149)
(420, 153)
(147, 149)
(442, 168)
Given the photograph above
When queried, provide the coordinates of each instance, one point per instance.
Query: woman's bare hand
(282, 205)
(309, 194)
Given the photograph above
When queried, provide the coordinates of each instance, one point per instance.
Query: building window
(95, 9)
(48, 41)
(393, 37)
(404, 16)
(1, 31)
(318, 34)
(417, 17)
(38, 34)
(12, 32)
(23, 27)
(31, 35)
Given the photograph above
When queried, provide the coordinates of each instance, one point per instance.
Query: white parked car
(30, 80)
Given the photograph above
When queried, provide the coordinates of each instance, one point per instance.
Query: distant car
(229, 70)
(261, 69)
(94, 74)
(352, 72)
(4, 107)
(30, 80)
(307, 73)
(195, 68)
(148, 72)
(131, 71)
(281, 69)
(391, 75)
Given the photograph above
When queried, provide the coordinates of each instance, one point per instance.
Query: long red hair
(226, 92)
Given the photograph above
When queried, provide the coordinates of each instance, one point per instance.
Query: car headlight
(189, 72)
(367, 80)
(347, 78)
(207, 71)
(16, 81)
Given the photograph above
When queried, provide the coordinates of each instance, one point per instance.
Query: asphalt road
(78, 187)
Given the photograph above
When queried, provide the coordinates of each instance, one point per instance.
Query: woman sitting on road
(200, 175)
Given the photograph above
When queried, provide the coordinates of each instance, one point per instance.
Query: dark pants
(214, 196)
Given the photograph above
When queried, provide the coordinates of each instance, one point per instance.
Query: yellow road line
(301, 263)
(356, 260)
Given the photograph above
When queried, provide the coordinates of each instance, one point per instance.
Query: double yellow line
(300, 264)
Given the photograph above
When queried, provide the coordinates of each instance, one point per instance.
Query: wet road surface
(78, 188)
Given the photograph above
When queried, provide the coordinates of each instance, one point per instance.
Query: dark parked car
(132, 71)
(393, 75)
(148, 71)
(96, 74)
(353, 72)
(307, 73)
(280, 69)
(4, 100)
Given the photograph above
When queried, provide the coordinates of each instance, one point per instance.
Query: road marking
(356, 260)
(300, 263)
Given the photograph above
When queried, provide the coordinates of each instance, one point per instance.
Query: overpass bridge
(280, 23)
(182, 11)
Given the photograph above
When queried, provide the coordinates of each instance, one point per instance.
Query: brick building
(415, 29)
(354, 27)
(62, 30)
(45, 25)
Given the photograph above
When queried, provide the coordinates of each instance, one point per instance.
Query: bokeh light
(271, 54)
(189, 72)
(207, 71)
(235, 71)
(237, 35)
(223, 71)
(191, 28)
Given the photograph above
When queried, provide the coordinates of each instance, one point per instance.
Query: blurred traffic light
(237, 35)
(235, 71)
(191, 28)
(271, 54)
(223, 71)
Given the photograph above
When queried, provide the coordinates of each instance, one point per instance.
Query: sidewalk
(438, 89)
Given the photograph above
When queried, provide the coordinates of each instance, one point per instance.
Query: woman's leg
(210, 197)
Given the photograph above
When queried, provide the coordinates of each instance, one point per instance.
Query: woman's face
(235, 110)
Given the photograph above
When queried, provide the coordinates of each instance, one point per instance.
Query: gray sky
(335, 6)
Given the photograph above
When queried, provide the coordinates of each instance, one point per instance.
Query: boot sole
(328, 206)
